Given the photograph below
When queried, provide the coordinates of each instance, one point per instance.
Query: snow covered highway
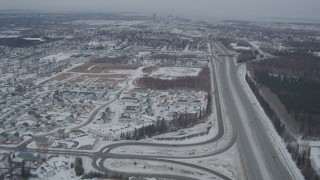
(260, 157)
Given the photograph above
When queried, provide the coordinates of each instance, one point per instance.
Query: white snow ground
(57, 57)
(60, 168)
(34, 39)
(169, 72)
(154, 167)
(236, 47)
(228, 163)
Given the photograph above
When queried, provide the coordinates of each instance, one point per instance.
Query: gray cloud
(201, 8)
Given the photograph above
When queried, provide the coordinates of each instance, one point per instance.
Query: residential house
(27, 156)
(36, 128)
(31, 117)
(24, 126)
(70, 119)
(127, 118)
(182, 102)
(129, 99)
(196, 103)
(132, 109)
(146, 102)
(11, 126)
(15, 137)
(148, 111)
(43, 141)
(4, 137)
(60, 134)
(50, 126)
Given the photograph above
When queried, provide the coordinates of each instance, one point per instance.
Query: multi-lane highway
(260, 158)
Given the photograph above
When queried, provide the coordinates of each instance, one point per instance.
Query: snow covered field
(154, 167)
(59, 167)
(101, 43)
(236, 47)
(85, 141)
(34, 39)
(228, 163)
(189, 132)
(57, 57)
(169, 72)
(113, 131)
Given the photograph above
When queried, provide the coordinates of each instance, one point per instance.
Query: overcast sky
(202, 8)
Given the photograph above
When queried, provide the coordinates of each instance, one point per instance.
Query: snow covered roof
(132, 108)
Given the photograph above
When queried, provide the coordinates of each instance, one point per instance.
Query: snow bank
(57, 57)
(176, 31)
(84, 140)
(97, 44)
(236, 47)
(166, 72)
(155, 167)
(34, 39)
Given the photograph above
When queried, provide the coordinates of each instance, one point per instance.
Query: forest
(295, 79)
(303, 66)
(303, 46)
(246, 56)
(20, 42)
(302, 159)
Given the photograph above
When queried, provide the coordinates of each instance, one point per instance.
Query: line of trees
(93, 174)
(20, 42)
(152, 129)
(304, 46)
(25, 173)
(112, 60)
(149, 131)
(247, 56)
(105, 175)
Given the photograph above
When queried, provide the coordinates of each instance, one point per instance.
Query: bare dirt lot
(75, 78)
(149, 69)
(92, 73)
(102, 67)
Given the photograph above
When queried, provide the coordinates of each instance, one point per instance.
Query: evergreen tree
(78, 166)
